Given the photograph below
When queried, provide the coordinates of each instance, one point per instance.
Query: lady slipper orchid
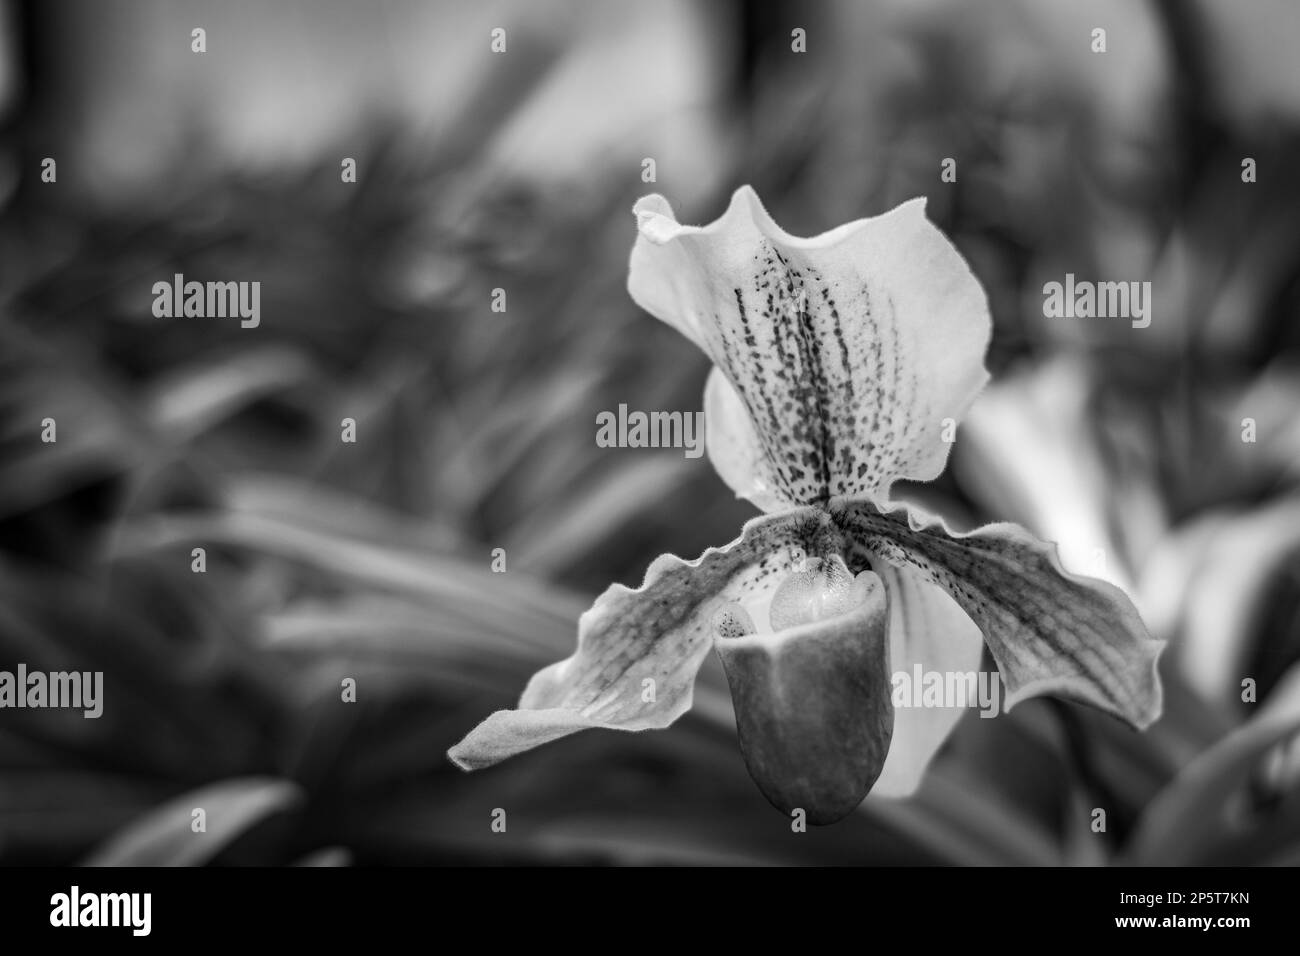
(841, 365)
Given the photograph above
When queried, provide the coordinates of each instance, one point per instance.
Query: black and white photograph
(650, 433)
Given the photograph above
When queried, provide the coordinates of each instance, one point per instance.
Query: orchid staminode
(841, 364)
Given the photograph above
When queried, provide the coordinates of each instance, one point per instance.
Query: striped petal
(846, 352)
(1050, 632)
(639, 650)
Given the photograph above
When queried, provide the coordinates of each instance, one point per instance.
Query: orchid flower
(841, 364)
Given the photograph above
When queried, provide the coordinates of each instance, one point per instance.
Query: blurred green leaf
(164, 836)
(1199, 817)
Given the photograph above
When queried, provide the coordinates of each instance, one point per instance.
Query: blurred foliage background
(476, 429)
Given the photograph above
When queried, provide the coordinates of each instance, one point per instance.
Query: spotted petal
(851, 354)
(639, 650)
(1049, 631)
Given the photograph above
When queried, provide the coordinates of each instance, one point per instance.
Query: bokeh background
(476, 429)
